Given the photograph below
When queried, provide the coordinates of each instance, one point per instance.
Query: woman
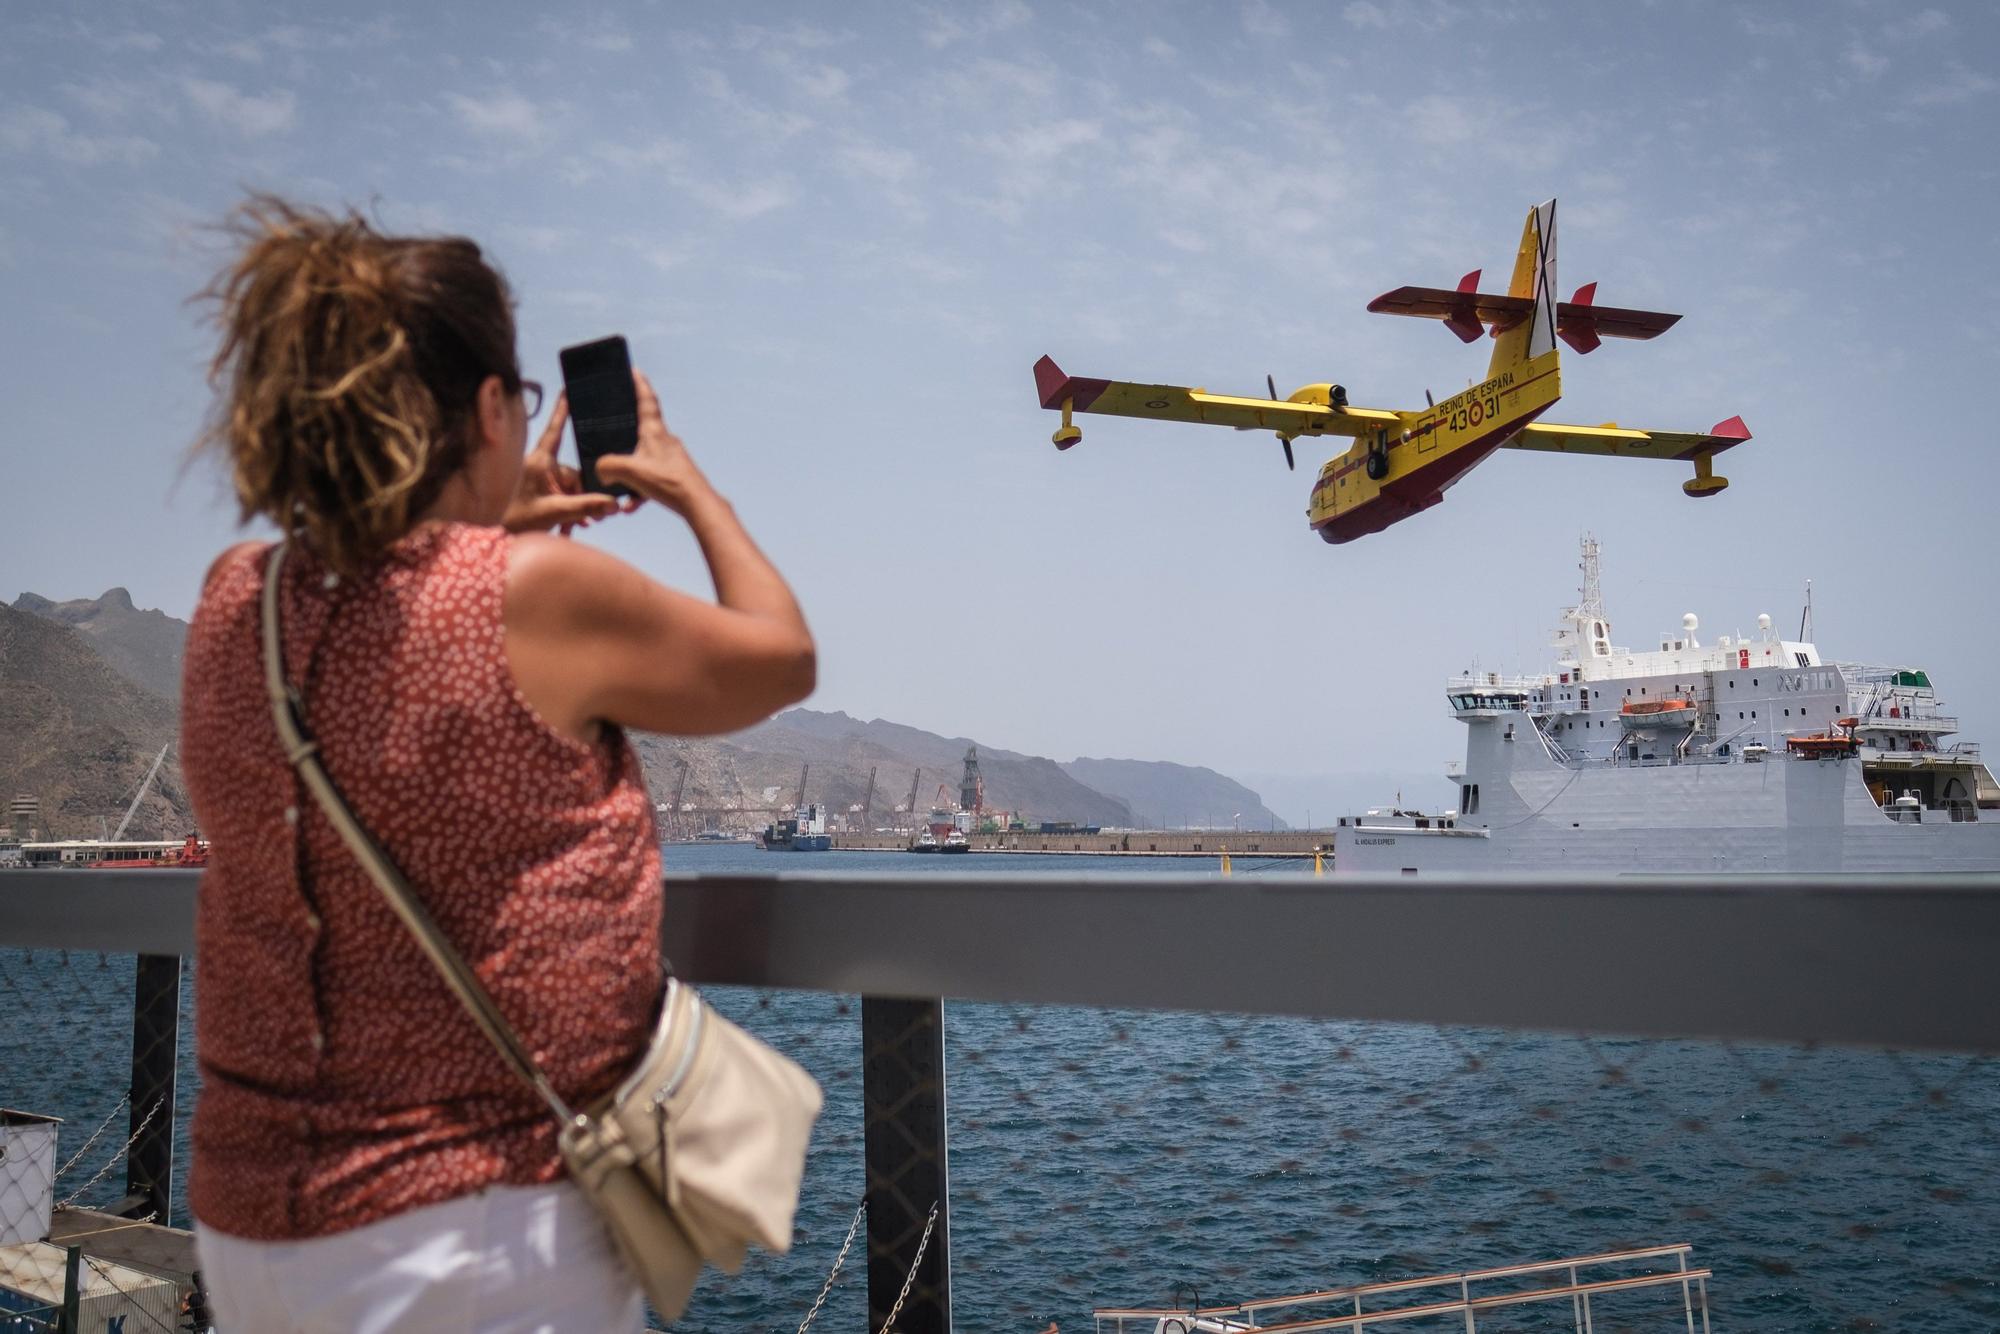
(362, 1158)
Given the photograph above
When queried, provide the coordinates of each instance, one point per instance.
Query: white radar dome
(1764, 620)
(1691, 622)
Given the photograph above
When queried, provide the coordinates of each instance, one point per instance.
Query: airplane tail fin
(1535, 278)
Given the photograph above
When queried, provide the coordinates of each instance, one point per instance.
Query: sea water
(1105, 1157)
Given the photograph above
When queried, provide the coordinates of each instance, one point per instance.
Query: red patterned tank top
(342, 1082)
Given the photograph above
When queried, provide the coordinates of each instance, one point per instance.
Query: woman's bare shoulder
(553, 581)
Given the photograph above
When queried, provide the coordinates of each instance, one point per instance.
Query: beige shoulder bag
(697, 1155)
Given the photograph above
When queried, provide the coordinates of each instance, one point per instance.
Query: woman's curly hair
(348, 372)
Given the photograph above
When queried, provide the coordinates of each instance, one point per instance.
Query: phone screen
(603, 407)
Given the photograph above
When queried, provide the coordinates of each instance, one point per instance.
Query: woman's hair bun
(348, 369)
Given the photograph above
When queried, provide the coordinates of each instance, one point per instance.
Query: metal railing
(1255, 1315)
(1898, 962)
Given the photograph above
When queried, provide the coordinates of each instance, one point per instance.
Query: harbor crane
(869, 799)
(133, 809)
(911, 804)
(674, 821)
(799, 802)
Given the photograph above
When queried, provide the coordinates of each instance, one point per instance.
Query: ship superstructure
(1746, 752)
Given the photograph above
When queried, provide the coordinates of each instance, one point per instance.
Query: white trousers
(509, 1260)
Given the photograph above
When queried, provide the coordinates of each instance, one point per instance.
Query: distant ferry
(1749, 754)
(122, 855)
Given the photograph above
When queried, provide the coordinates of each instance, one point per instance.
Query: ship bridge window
(1802, 659)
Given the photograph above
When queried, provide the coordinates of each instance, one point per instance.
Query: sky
(838, 237)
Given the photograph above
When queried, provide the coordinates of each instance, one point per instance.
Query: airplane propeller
(1271, 384)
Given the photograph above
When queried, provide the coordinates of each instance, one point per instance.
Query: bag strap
(287, 710)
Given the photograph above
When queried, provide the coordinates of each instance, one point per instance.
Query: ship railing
(1556, 1280)
(1314, 1059)
(1475, 682)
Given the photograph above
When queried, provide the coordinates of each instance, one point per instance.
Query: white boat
(1744, 753)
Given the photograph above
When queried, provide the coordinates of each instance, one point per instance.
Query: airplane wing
(1166, 402)
(1580, 321)
(1614, 440)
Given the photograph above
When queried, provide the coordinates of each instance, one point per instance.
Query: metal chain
(112, 1161)
(915, 1265)
(77, 1157)
(834, 1273)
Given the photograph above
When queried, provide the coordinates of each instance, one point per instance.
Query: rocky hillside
(1166, 795)
(80, 736)
(89, 689)
(760, 768)
(142, 646)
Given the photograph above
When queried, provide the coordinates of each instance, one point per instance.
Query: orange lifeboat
(1826, 745)
(1672, 711)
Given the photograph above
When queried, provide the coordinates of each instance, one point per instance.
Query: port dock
(1130, 842)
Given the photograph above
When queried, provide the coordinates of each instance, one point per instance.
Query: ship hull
(1785, 814)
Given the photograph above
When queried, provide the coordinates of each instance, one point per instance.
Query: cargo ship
(1740, 753)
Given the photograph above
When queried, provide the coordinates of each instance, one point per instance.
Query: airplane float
(1401, 462)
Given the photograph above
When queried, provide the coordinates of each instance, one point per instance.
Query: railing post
(903, 1110)
(156, 1023)
(70, 1319)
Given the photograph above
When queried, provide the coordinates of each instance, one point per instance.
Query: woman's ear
(490, 415)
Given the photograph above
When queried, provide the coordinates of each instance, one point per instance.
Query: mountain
(759, 768)
(106, 675)
(1166, 795)
(80, 736)
(143, 646)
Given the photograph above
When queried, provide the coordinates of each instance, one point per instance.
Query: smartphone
(603, 406)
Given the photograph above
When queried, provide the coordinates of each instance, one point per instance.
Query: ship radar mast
(1585, 633)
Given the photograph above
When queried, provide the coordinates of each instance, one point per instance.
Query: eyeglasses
(531, 397)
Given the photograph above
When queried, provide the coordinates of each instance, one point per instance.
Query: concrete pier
(1130, 842)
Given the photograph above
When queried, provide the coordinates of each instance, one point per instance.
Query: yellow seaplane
(1401, 462)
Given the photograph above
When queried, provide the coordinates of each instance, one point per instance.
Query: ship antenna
(1805, 617)
(1591, 606)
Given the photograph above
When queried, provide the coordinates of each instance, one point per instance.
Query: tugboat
(1739, 753)
(954, 842)
(925, 841)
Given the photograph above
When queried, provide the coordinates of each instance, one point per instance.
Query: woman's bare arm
(590, 638)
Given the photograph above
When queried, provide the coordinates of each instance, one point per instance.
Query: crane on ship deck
(140, 796)
(676, 825)
(799, 802)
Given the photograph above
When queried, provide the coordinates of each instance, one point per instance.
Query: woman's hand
(659, 468)
(551, 494)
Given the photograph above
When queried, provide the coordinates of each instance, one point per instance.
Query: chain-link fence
(1116, 1159)
(71, 1048)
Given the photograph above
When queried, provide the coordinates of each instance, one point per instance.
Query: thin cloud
(1863, 61)
(751, 199)
(37, 130)
(1920, 24)
(248, 114)
(113, 99)
(1955, 87)
(544, 240)
(878, 162)
(1261, 20)
(947, 26)
(502, 116)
